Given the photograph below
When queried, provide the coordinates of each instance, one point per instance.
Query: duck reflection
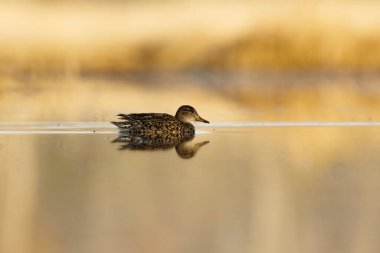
(188, 149)
(185, 147)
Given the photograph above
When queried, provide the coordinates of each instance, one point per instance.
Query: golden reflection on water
(256, 189)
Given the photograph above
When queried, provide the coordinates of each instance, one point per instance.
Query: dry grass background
(182, 35)
(49, 46)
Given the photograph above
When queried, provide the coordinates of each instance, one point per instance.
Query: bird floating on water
(160, 125)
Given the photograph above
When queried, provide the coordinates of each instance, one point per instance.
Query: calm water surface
(246, 189)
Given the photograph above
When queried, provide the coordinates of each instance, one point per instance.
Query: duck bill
(198, 118)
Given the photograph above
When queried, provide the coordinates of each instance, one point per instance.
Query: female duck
(160, 125)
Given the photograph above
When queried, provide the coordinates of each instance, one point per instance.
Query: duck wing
(146, 117)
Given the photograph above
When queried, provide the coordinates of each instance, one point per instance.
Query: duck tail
(122, 116)
(118, 124)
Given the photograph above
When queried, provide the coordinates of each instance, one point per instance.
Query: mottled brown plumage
(159, 125)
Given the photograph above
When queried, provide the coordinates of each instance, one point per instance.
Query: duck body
(160, 125)
(154, 125)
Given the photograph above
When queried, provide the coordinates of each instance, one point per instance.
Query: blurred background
(234, 60)
(250, 189)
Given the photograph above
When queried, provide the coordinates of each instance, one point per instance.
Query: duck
(160, 125)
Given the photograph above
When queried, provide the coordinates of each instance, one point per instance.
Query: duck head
(187, 113)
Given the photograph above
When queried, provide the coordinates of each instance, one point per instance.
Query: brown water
(250, 189)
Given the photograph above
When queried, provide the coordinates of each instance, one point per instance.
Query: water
(249, 188)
